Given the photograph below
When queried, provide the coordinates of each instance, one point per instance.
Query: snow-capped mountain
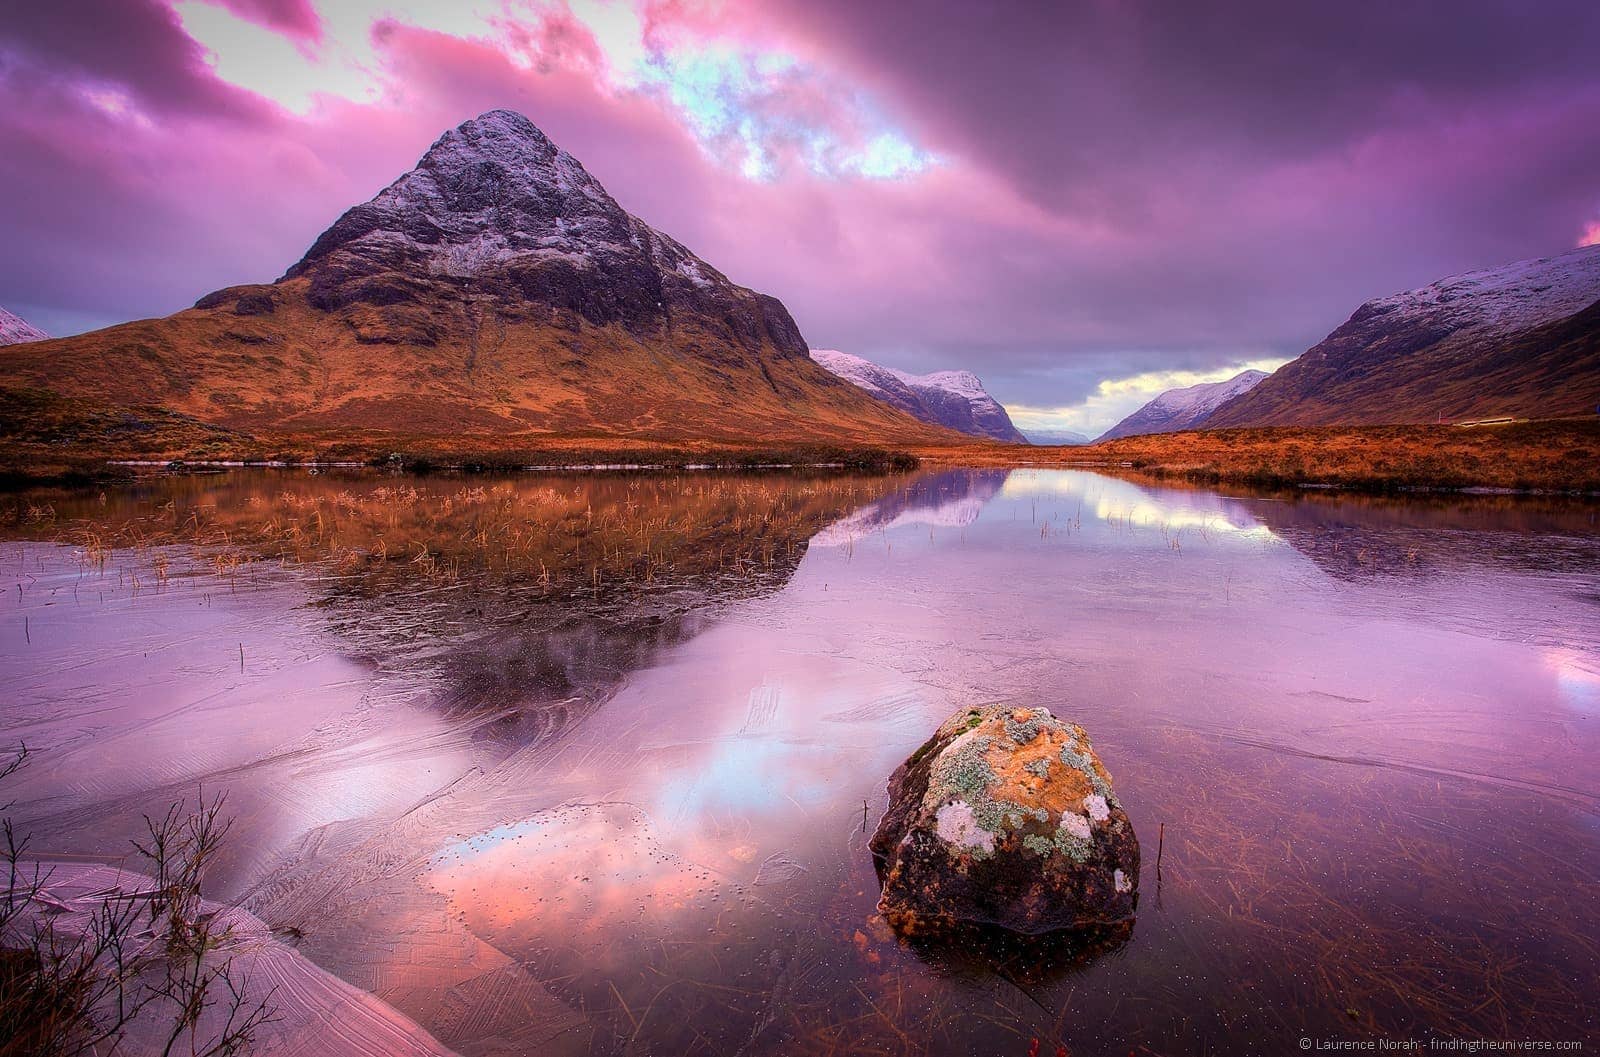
(1521, 340)
(954, 399)
(1186, 408)
(495, 207)
(494, 290)
(14, 330)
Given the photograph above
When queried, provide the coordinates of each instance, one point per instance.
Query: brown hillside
(285, 367)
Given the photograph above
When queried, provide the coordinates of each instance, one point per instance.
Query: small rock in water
(1005, 817)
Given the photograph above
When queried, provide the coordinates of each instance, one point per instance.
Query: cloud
(768, 114)
(135, 50)
(1116, 398)
(295, 18)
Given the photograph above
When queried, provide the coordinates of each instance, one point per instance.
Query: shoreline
(1541, 457)
(1557, 456)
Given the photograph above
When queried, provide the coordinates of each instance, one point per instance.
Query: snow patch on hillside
(15, 330)
(1512, 297)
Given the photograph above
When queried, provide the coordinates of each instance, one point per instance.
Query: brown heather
(1554, 455)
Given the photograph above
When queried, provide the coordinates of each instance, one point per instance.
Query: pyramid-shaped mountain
(494, 291)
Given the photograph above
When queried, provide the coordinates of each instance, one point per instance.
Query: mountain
(14, 331)
(1059, 437)
(1187, 408)
(1522, 340)
(494, 291)
(953, 399)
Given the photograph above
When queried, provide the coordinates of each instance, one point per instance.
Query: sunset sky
(1085, 203)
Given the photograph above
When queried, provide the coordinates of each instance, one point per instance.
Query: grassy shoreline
(1557, 455)
(45, 439)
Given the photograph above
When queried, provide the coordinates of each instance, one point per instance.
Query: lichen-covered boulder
(1006, 817)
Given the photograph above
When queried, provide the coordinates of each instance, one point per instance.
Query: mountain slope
(1522, 340)
(953, 399)
(494, 291)
(1187, 408)
(14, 331)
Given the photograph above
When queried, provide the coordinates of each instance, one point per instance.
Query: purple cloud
(293, 18)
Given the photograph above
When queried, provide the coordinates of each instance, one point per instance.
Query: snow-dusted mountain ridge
(1186, 408)
(496, 212)
(1521, 340)
(955, 399)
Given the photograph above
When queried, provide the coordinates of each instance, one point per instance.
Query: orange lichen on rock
(1017, 770)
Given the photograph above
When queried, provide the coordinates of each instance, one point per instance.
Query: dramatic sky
(1083, 202)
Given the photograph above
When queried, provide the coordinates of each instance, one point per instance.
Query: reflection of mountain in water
(530, 678)
(1348, 536)
(1359, 537)
(548, 666)
(517, 605)
(948, 499)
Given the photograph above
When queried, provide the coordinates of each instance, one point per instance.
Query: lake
(589, 763)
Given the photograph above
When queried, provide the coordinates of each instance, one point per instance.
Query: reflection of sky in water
(744, 775)
(573, 869)
(718, 766)
(1577, 678)
(1111, 500)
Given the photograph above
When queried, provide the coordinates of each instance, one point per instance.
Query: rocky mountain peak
(496, 216)
(500, 167)
(494, 291)
(490, 190)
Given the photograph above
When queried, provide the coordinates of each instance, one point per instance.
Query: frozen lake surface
(613, 795)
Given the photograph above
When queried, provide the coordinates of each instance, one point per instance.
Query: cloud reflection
(1115, 501)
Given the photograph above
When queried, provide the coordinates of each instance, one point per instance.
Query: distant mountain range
(1064, 437)
(494, 291)
(1522, 340)
(954, 399)
(1188, 408)
(14, 331)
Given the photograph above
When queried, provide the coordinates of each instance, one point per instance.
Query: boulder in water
(1005, 817)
